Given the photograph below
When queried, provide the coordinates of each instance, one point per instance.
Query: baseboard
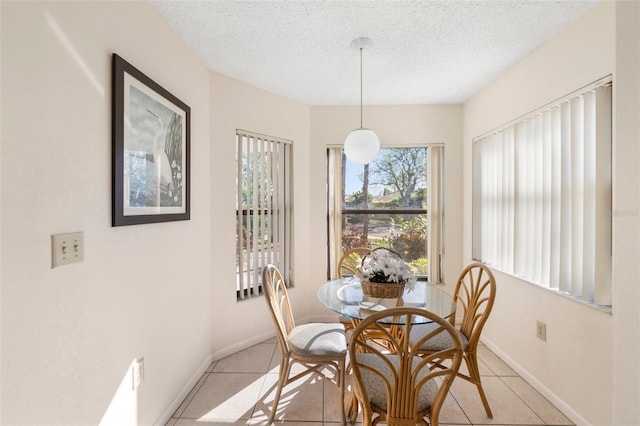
(254, 340)
(537, 385)
(166, 415)
(230, 350)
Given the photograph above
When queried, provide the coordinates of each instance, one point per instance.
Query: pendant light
(361, 145)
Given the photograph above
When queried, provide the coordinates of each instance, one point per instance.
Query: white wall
(626, 248)
(70, 334)
(235, 105)
(396, 126)
(574, 366)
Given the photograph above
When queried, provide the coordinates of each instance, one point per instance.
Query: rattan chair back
(277, 297)
(314, 346)
(474, 295)
(351, 260)
(397, 386)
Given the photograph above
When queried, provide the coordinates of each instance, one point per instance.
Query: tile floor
(239, 389)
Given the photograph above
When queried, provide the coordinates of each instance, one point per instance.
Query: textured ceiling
(424, 52)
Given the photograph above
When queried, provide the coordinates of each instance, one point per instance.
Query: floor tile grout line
(523, 401)
(264, 381)
(528, 406)
(192, 394)
(459, 406)
(262, 395)
(323, 420)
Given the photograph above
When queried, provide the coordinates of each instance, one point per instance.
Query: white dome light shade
(361, 146)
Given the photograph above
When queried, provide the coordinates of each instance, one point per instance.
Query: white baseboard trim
(230, 350)
(537, 385)
(237, 347)
(166, 415)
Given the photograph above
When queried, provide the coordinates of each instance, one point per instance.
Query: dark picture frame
(150, 151)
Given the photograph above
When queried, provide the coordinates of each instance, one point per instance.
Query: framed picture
(151, 132)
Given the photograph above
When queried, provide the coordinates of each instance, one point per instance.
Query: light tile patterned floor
(239, 390)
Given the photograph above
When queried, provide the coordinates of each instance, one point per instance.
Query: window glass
(263, 210)
(383, 204)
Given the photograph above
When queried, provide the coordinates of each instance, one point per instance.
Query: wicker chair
(351, 260)
(313, 345)
(475, 292)
(398, 387)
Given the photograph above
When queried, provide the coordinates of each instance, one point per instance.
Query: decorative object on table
(361, 145)
(384, 274)
(395, 385)
(151, 143)
(475, 292)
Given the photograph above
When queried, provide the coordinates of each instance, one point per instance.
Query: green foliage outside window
(395, 180)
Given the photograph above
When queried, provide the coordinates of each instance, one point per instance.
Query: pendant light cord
(361, 87)
(361, 146)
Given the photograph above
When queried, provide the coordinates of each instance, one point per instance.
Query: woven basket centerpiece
(384, 274)
(383, 290)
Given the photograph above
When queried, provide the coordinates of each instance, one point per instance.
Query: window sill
(602, 308)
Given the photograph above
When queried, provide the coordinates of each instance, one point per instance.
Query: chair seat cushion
(318, 339)
(376, 389)
(438, 342)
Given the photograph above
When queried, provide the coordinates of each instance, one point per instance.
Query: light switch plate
(137, 371)
(541, 331)
(67, 248)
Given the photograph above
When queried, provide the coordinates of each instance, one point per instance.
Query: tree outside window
(384, 204)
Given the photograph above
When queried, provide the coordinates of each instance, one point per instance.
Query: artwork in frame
(151, 147)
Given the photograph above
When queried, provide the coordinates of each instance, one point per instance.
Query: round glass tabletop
(344, 296)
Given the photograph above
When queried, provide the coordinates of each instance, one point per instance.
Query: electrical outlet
(137, 371)
(541, 331)
(67, 248)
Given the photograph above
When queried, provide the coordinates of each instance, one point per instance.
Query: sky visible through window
(353, 179)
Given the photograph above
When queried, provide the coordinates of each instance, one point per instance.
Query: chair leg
(342, 383)
(483, 397)
(474, 373)
(352, 408)
(285, 366)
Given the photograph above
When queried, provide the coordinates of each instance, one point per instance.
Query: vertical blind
(263, 209)
(542, 196)
(435, 211)
(335, 194)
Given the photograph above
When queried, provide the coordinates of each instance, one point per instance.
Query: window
(395, 202)
(542, 196)
(263, 210)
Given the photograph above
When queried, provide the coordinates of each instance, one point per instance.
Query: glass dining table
(345, 297)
